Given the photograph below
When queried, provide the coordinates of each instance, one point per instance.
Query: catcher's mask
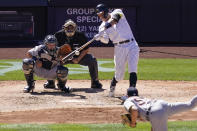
(132, 91)
(102, 8)
(50, 42)
(70, 27)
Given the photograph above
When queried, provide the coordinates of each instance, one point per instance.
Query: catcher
(70, 39)
(155, 111)
(43, 61)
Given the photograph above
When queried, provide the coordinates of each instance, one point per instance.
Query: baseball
(77, 52)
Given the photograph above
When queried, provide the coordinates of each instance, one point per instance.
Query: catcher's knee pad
(28, 65)
(62, 73)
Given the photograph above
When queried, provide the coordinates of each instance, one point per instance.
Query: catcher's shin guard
(50, 84)
(62, 73)
(112, 87)
(30, 83)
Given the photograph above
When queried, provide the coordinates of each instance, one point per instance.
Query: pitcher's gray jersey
(49, 62)
(157, 111)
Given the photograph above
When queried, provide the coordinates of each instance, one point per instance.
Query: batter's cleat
(112, 91)
(28, 89)
(50, 84)
(96, 85)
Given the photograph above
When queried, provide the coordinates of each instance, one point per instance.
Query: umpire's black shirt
(76, 41)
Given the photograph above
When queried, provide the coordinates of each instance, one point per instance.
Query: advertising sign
(87, 20)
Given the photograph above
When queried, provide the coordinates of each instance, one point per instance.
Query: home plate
(71, 101)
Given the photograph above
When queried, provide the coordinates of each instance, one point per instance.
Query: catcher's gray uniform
(50, 62)
(45, 63)
(157, 111)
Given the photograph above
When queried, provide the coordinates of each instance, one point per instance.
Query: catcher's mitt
(126, 119)
(64, 50)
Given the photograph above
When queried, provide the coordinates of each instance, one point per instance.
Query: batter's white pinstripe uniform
(157, 111)
(124, 52)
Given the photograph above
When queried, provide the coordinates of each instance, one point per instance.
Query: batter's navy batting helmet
(102, 8)
(132, 91)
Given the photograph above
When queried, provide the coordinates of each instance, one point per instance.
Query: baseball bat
(76, 52)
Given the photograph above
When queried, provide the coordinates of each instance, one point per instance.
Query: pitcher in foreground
(155, 111)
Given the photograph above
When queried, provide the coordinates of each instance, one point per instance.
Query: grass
(148, 69)
(141, 126)
(168, 69)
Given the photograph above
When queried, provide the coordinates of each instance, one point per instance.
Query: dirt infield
(86, 105)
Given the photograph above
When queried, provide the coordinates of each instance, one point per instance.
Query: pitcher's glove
(64, 50)
(126, 119)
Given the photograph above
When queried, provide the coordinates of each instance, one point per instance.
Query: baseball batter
(115, 27)
(155, 111)
(43, 61)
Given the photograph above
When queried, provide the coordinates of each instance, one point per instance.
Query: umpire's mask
(70, 27)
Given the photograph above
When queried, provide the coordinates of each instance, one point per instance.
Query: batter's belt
(123, 42)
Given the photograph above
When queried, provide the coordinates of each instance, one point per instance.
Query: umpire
(70, 35)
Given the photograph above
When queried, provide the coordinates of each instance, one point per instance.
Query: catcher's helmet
(102, 8)
(132, 91)
(69, 27)
(50, 39)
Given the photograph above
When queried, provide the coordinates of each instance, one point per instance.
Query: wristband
(108, 25)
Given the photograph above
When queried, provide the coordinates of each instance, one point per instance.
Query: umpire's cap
(132, 91)
(68, 23)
